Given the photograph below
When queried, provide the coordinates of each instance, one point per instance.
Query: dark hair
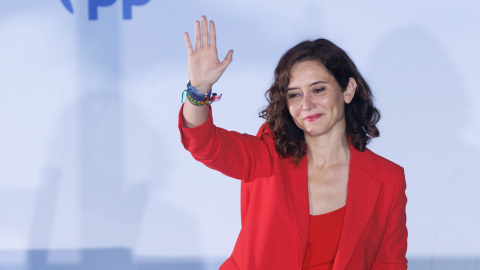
(360, 114)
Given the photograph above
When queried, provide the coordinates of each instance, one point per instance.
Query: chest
(327, 188)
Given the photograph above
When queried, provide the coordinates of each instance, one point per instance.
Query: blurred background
(92, 172)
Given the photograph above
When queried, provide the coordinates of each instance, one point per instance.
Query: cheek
(334, 102)
(295, 111)
(324, 101)
(292, 108)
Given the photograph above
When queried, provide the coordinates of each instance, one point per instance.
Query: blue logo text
(93, 6)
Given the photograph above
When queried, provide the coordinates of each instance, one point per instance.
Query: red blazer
(275, 208)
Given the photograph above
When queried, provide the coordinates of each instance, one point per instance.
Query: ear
(349, 92)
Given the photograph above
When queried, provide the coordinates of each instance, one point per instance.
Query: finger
(188, 42)
(198, 42)
(228, 59)
(213, 35)
(204, 31)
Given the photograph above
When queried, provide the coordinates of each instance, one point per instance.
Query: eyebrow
(312, 84)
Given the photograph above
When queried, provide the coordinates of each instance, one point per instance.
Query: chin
(314, 132)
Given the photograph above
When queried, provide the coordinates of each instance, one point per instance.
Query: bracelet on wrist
(199, 99)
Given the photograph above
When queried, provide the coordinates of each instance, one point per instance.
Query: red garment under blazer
(275, 207)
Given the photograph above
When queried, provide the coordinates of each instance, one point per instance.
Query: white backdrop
(90, 155)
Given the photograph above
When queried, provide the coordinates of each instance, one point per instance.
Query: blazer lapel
(296, 187)
(361, 199)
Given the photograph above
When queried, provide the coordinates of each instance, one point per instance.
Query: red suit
(275, 207)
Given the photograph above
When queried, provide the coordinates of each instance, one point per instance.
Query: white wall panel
(90, 156)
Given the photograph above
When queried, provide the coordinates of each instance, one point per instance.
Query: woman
(313, 196)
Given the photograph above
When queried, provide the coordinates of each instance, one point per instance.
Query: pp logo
(93, 6)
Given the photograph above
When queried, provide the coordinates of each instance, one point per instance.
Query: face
(316, 101)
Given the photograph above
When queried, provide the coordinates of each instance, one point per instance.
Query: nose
(307, 103)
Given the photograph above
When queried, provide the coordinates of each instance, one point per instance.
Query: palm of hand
(204, 67)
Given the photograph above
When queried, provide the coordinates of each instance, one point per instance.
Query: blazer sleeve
(240, 156)
(392, 252)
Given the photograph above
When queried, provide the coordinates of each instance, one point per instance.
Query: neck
(326, 150)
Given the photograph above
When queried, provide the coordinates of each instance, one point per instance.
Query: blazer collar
(296, 186)
(361, 199)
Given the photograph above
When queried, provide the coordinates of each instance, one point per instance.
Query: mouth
(313, 117)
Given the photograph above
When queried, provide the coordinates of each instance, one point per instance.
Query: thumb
(228, 59)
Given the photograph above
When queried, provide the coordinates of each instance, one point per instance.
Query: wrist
(199, 94)
(201, 88)
(198, 98)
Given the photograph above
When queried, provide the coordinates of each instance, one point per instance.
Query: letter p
(127, 7)
(93, 7)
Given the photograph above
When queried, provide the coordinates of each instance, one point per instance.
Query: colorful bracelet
(196, 102)
(199, 99)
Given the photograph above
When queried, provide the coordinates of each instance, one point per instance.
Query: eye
(319, 90)
(292, 95)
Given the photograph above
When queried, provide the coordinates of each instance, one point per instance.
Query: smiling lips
(312, 118)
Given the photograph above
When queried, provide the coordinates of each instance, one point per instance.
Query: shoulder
(266, 133)
(385, 164)
(265, 130)
(389, 173)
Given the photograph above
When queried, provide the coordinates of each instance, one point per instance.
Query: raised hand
(204, 67)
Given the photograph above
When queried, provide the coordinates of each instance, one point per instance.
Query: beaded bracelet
(199, 99)
(196, 102)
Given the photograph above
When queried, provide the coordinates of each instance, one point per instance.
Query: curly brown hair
(360, 114)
